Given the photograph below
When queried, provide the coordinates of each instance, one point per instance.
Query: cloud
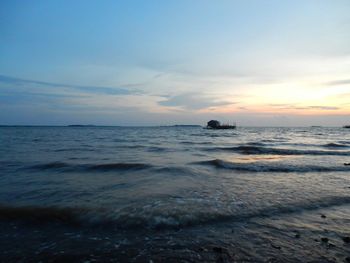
(27, 97)
(86, 89)
(338, 82)
(193, 101)
(323, 107)
(295, 107)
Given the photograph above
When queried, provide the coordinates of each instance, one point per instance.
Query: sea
(174, 194)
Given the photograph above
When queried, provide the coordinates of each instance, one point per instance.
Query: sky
(155, 62)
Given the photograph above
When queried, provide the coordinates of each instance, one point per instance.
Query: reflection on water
(256, 158)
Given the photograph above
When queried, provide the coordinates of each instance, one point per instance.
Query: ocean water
(175, 194)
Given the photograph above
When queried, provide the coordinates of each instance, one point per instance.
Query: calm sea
(250, 194)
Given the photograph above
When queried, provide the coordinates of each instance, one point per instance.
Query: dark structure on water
(214, 124)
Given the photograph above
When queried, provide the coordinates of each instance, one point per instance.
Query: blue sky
(165, 62)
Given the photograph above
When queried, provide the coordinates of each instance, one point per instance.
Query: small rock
(330, 245)
(346, 239)
(324, 239)
(271, 260)
(217, 249)
(347, 259)
(276, 247)
(203, 249)
(346, 164)
(323, 216)
(297, 235)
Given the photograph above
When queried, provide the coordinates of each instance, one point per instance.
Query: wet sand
(310, 236)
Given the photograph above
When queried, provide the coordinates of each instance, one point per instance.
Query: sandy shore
(313, 236)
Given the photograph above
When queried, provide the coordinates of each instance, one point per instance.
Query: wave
(118, 166)
(149, 217)
(61, 166)
(220, 133)
(335, 145)
(195, 143)
(247, 149)
(176, 170)
(82, 149)
(258, 144)
(158, 149)
(271, 167)
(39, 214)
(52, 165)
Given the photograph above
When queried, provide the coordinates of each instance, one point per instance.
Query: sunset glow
(237, 61)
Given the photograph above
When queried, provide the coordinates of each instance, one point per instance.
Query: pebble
(330, 245)
(276, 247)
(324, 239)
(217, 249)
(323, 216)
(346, 239)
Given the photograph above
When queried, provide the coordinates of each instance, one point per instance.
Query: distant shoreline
(91, 126)
(155, 126)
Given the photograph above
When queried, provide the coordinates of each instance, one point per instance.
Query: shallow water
(181, 182)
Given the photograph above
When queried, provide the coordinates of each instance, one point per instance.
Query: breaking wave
(335, 145)
(271, 167)
(277, 151)
(61, 166)
(170, 217)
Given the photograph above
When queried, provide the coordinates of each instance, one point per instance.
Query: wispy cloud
(87, 89)
(296, 107)
(338, 82)
(193, 101)
(323, 107)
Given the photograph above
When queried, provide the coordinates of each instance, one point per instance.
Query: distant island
(182, 125)
(81, 125)
(186, 125)
(176, 125)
